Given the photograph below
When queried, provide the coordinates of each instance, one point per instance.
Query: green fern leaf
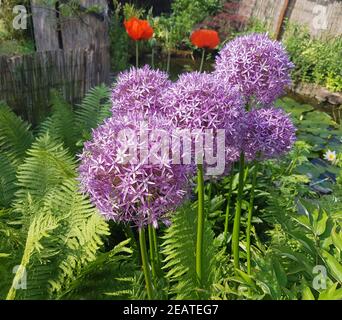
(60, 125)
(110, 276)
(48, 164)
(8, 181)
(94, 109)
(179, 248)
(15, 135)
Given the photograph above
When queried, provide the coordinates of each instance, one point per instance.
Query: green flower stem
(137, 54)
(200, 222)
(229, 197)
(144, 259)
(249, 220)
(155, 241)
(152, 253)
(202, 60)
(130, 235)
(236, 227)
(152, 58)
(168, 62)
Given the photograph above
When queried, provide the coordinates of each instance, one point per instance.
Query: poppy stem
(168, 62)
(200, 222)
(144, 259)
(249, 219)
(137, 54)
(236, 227)
(202, 60)
(152, 58)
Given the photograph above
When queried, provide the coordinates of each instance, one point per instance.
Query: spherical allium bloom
(259, 66)
(138, 90)
(127, 172)
(269, 133)
(200, 101)
(205, 38)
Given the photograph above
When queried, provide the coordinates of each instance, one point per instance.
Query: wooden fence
(322, 17)
(25, 81)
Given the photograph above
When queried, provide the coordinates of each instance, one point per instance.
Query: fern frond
(48, 164)
(179, 248)
(11, 244)
(83, 229)
(15, 135)
(60, 125)
(40, 227)
(107, 277)
(47, 181)
(8, 181)
(94, 109)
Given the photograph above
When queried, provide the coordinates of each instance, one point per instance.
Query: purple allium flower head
(201, 101)
(138, 91)
(125, 174)
(259, 67)
(269, 133)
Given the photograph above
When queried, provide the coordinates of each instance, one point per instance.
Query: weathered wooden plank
(322, 17)
(85, 30)
(45, 26)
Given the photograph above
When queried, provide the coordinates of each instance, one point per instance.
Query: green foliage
(130, 10)
(119, 41)
(66, 250)
(94, 109)
(110, 276)
(13, 41)
(72, 126)
(63, 230)
(7, 32)
(48, 229)
(15, 137)
(316, 60)
(8, 181)
(60, 125)
(179, 250)
(175, 30)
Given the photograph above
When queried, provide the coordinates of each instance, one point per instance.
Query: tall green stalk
(137, 54)
(144, 259)
(249, 220)
(202, 60)
(168, 62)
(236, 227)
(130, 235)
(152, 253)
(229, 197)
(155, 242)
(200, 215)
(200, 222)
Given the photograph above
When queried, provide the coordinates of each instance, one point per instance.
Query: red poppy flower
(204, 38)
(138, 29)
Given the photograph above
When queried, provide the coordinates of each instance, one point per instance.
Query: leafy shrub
(316, 60)
(185, 15)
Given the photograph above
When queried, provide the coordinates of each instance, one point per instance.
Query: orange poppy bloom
(138, 29)
(204, 38)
